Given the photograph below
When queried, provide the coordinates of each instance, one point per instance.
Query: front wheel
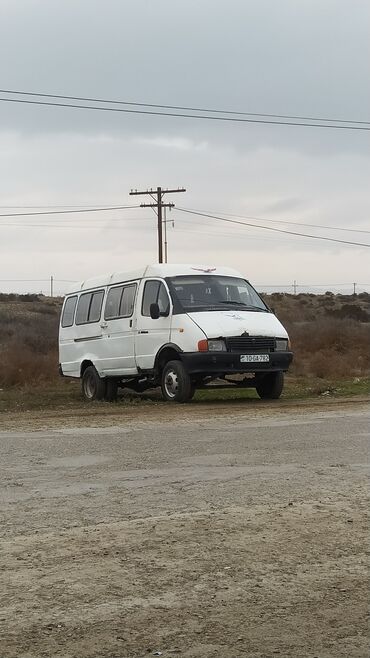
(93, 387)
(176, 384)
(270, 386)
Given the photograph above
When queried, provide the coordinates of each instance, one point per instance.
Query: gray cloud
(306, 58)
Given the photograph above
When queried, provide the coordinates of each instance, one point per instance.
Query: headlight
(281, 344)
(216, 346)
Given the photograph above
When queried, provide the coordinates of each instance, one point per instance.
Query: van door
(118, 354)
(152, 334)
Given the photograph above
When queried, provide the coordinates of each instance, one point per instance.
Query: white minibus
(180, 327)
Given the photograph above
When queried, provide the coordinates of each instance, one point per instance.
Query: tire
(111, 390)
(175, 383)
(270, 387)
(93, 387)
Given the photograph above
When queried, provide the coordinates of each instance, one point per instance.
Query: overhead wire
(179, 107)
(270, 228)
(281, 221)
(66, 212)
(207, 117)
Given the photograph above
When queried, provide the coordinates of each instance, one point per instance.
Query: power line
(68, 226)
(270, 228)
(187, 115)
(281, 221)
(180, 107)
(65, 212)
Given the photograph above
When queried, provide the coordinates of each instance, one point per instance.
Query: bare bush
(19, 365)
(330, 348)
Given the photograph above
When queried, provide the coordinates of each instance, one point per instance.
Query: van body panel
(185, 332)
(216, 324)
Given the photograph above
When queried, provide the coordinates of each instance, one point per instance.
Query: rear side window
(89, 307)
(120, 302)
(155, 292)
(69, 311)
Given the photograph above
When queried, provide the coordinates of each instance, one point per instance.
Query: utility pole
(354, 288)
(51, 286)
(295, 287)
(157, 196)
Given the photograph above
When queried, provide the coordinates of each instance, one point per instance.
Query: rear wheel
(93, 387)
(270, 386)
(176, 383)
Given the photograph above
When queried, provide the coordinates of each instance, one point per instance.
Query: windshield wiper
(247, 308)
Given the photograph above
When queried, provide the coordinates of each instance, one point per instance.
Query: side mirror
(154, 311)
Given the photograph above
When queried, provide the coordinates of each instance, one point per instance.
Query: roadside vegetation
(330, 337)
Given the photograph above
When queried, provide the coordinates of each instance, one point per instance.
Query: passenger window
(155, 292)
(95, 306)
(163, 301)
(120, 302)
(89, 307)
(127, 301)
(69, 311)
(113, 302)
(83, 308)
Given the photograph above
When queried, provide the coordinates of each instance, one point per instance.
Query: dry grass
(329, 337)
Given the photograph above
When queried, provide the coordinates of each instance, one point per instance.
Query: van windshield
(213, 293)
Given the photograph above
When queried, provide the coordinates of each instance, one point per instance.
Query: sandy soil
(197, 532)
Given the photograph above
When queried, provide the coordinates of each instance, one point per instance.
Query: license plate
(254, 358)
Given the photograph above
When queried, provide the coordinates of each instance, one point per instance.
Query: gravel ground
(191, 531)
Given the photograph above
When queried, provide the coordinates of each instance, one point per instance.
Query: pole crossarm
(158, 195)
(155, 205)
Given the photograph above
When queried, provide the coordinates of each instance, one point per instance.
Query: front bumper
(222, 363)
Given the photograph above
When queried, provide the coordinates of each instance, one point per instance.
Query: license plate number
(254, 358)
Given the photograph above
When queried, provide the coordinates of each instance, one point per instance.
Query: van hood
(217, 324)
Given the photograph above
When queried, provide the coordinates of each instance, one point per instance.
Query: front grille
(250, 344)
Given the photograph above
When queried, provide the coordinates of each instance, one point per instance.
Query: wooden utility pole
(157, 196)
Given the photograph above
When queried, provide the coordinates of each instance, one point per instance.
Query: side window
(155, 292)
(69, 311)
(95, 306)
(126, 308)
(113, 302)
(163, 301)
(89, 307)
(82, 312)
(120, 302)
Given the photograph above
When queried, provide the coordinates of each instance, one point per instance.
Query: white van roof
(157, 270)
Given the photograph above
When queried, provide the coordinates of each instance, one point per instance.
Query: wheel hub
(171, 384)
(89, 387)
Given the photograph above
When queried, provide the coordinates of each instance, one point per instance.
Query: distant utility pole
(354, 288)
(157, 196)
(295, 286)
(51, 286)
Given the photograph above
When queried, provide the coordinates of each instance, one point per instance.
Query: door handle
(104, 325)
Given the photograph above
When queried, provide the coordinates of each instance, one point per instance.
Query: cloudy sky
(296, 57)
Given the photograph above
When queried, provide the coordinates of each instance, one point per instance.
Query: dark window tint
(69, 311)
(95, 306)
(127, 301)
(89, 307)
(163, 301)
(113, 302)
(120, 302)
(83, 308)
(155, 292)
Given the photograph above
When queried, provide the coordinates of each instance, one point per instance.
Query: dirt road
(195, 533)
